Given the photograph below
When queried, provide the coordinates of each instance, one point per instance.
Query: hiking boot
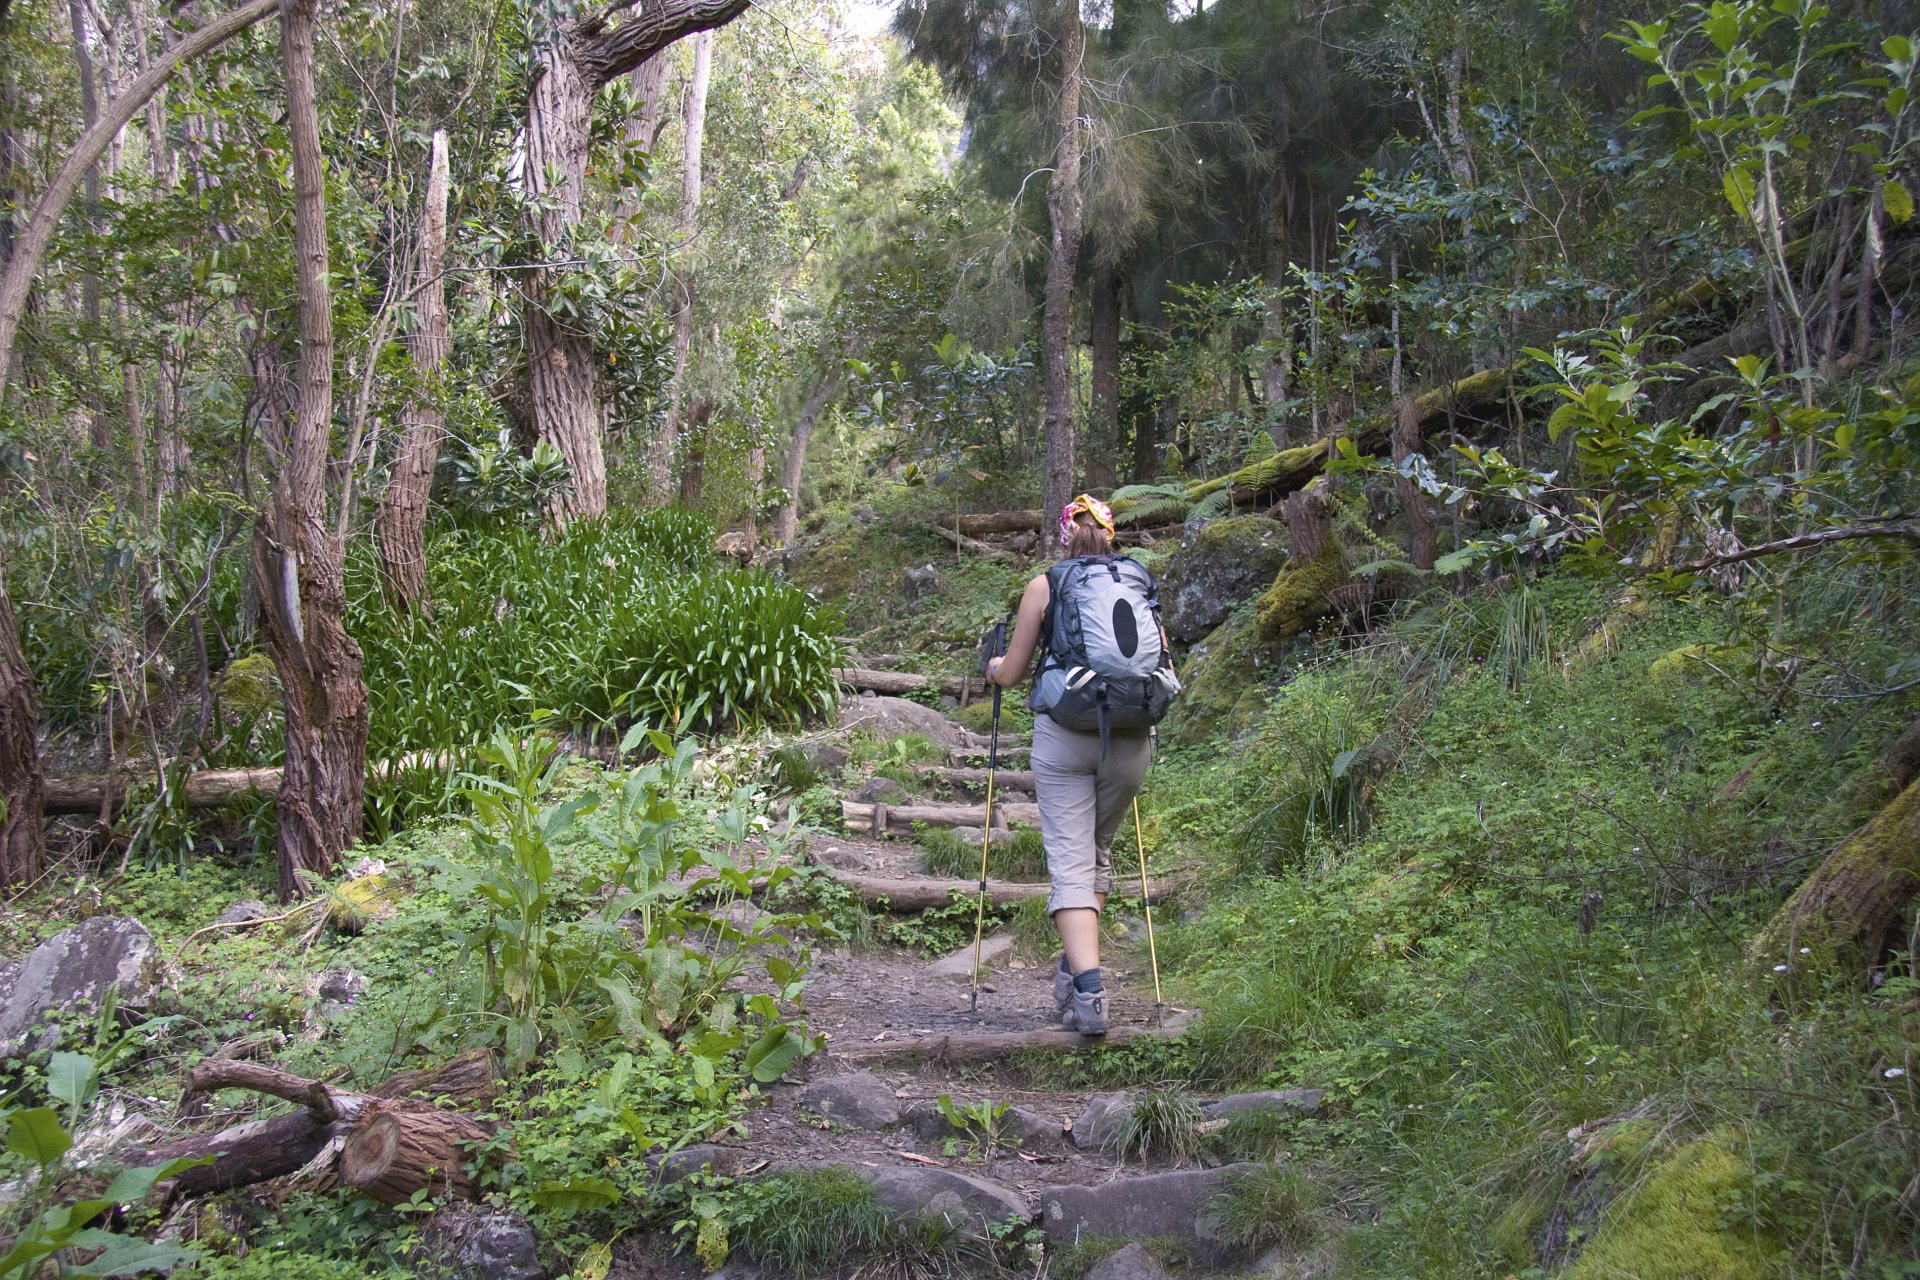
(1062, 989)
(1086, 1013)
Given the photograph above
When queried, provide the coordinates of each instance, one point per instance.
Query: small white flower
(1779, 968)
(1806, 951)
(1894, 1073)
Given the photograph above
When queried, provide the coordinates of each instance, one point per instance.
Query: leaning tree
(574, 56)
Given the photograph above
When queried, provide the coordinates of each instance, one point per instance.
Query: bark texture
(298, 560)
(1853, 909)
(21, 835)
(403, 510)
(1103, 337)
(1065, 204)
(1422, 533)
(397, 1149)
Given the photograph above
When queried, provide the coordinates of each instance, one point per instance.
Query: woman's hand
(993, 669)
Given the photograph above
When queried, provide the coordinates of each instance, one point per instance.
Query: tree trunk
(298, 562)
(403, 510)
(693, 476)
(683, 286)
(1064, 207)
(99, 435)
(21, 834)
(787, 522)
(31, 247)
(1423, 535)
(565, 380)
(1103, 334)
(1852, 910)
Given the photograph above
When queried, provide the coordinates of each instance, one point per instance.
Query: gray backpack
(1106, 664)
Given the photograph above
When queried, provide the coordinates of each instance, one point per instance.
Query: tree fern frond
(1134, 492)
(1153, 511)
(1213, 506)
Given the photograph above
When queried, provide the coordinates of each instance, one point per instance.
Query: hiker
(1106, 676)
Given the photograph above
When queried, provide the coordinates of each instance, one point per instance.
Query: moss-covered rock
(1301, 594)
(249, 686)
(1689, 662)
(1216, 567)
(1675, 1224)
(1224, 682)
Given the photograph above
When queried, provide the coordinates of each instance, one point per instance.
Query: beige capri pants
(1082, 801)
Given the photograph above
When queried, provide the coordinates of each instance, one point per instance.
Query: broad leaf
(36, 1134)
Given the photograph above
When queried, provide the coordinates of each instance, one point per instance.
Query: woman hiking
(1105, 678)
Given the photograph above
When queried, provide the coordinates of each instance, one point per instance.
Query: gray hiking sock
(1088, 982)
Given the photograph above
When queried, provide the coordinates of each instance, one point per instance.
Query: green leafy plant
(979, 1127)
(38, 1135)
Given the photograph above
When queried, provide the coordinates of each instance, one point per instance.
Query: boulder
(1098, 1126)
(338, 989)
(1130, 1263)
(882, 789)
(859, 1100)
(1171, 1205)
(1225, 683)
(471, 1242)
(824, 756)
(245, 911)
(677, 1166)
(886, 717)
(78, 964)
(919, 583)
(969, 1204)
(1306, 1100)
(1215, 568)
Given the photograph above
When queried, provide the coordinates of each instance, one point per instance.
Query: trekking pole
(1146, 897)
(995, 646)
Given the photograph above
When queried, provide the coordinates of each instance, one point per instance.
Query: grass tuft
(1268, 1206)
(1163, 1124)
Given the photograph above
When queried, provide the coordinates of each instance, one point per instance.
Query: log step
(888, 819)
(905, 894)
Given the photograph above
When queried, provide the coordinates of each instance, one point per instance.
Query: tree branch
(1800, 542)
(606, 50)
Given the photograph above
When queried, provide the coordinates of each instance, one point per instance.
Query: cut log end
(393, 1153)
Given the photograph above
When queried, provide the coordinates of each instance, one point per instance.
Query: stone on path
(881, 788)
(959, 965)
(1174, 1205)
(1130, 1263)
(79, 964)
(971, 836)
(470, 1242)
(677, 1166)
(968, 1203)
(245, 911)
(1306, 1100)
(859, 1100)
(888, 718)
(1098, 1126)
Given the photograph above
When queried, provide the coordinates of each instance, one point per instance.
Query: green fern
(1386, 566)
(1134, 492)
(1259, 449)
(1213, 506)
(1154, 511)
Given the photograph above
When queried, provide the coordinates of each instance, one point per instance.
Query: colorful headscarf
(1102, 515)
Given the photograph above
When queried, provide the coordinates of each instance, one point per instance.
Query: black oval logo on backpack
(1126, 632)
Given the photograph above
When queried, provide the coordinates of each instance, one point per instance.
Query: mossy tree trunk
(1064, 209)
(21, 781)
(1853, 909)
(1422, 534)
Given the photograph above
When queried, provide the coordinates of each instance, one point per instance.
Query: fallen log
(210, 788)
(899, 682)
(396, 1150)
(882, 819)
(975, 525)
(973, 546)
(995, 1046)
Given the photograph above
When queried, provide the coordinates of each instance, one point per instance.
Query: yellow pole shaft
(986, 838)
(1146, 895)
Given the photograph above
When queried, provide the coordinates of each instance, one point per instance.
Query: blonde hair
(1089, 539)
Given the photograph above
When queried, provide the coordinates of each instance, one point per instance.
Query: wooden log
(256, 1151)
(899, 818)
(980, 753)
(994, 1046)
(974, 525)
(207, 789)
(396, 1150)
(975, 547)
(1019, 779)
(468, 1080)
(899, 682)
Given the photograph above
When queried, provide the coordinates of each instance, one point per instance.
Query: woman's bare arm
(1009, 670)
